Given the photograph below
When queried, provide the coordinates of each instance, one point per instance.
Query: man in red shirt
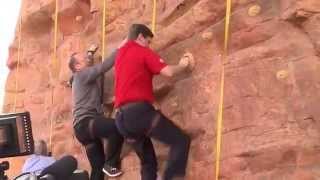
(136, 118)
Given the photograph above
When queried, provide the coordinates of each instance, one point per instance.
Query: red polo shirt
(135, 67)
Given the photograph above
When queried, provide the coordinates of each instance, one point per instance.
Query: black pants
(91, 133)
(137, 122)
(62, 169)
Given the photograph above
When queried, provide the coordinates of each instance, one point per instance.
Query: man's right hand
(185, 62)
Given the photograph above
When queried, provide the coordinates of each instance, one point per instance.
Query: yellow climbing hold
(282, 74)
(254, 10)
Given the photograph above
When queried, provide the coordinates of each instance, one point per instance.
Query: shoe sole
(111, 175)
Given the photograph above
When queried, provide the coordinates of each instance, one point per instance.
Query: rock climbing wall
(271, 127)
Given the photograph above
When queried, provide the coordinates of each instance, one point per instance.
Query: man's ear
(140, 36)
(77, 67)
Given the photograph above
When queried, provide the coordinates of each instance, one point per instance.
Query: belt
(154, 121)
(130, 105)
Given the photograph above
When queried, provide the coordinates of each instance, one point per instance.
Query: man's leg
(104, 128)
(133, 128)
(62, 168)
(93, 147)
(167, 132)
(96, 158)
(145, 151)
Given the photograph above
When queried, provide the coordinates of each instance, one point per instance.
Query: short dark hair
(136, 29)
(72, 62)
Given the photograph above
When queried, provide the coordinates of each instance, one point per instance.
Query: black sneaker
(111, 171)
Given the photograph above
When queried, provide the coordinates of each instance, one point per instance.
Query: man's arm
(108, 62)
(105, 66)
(92, 73)
(185, 62)
(171, 70)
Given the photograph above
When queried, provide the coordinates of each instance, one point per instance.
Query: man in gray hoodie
(90, 125)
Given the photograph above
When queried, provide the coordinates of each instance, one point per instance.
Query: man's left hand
(93, 48)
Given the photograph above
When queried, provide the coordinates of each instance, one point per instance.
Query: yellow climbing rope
(103, 29)
(154, 16)
(54, 67)
(18, 65)
(54, 57)
(220, 110)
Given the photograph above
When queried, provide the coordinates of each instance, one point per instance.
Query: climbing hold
(191, 60)
(207, 35)
(303, 14)
(79, 18)
(174, 104)
(254, 10)
(282, 74)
